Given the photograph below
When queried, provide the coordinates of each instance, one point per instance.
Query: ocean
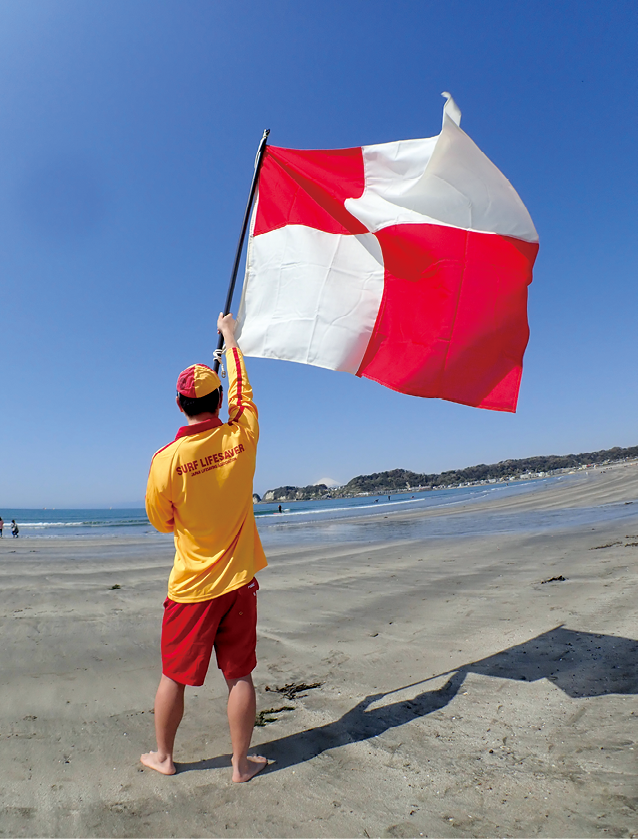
(370, 519)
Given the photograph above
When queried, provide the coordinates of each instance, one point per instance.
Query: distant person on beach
(1, 526)
(200, 488)
(15, 529)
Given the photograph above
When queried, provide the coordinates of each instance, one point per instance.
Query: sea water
(372, 518)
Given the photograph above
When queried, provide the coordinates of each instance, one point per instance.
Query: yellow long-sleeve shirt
(200, 488)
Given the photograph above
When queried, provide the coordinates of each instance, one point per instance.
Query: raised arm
(241, 408)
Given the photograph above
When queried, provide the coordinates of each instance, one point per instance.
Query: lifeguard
(200, 488)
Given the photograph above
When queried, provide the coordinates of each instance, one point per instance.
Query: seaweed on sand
(294, 689)
(265, 717)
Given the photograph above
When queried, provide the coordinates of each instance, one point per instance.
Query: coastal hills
(403, 480)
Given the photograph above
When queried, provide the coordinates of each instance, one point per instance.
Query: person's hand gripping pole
(226, 325)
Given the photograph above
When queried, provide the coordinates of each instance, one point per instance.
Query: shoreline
(124, 523)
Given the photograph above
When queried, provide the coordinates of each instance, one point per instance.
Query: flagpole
(242, 236)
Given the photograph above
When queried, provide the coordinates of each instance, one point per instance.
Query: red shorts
(191, 630)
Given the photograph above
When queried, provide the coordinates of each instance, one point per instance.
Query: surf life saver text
(208, 462)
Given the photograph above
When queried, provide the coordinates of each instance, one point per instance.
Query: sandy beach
(458, 694)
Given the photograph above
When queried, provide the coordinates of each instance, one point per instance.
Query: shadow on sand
(582, 664)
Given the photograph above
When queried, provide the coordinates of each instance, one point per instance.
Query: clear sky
(129, 130)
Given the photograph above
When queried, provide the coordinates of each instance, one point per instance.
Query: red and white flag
(407, 263)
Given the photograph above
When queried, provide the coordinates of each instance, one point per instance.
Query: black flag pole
(242, 236)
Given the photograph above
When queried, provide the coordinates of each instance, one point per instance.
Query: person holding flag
(200, 488)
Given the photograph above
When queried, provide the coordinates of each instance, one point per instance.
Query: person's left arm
(159, 506)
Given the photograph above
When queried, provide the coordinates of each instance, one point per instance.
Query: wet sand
(460, 694)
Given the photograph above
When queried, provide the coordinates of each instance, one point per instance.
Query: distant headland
(403, 480)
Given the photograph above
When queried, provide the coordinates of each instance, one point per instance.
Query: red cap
(196, 381)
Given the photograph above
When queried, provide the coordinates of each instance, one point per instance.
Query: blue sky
(128, 135)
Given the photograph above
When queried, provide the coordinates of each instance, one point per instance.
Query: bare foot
(152, 760)
(248, 768)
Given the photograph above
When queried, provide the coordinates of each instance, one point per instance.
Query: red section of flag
(453, 319)
(309, 188)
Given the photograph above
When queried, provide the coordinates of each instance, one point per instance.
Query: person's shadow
(582, 664)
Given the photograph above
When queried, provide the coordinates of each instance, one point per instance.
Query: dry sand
(530, 731)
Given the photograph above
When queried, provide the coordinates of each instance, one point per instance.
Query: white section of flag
(444, 180)
(311, 297)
